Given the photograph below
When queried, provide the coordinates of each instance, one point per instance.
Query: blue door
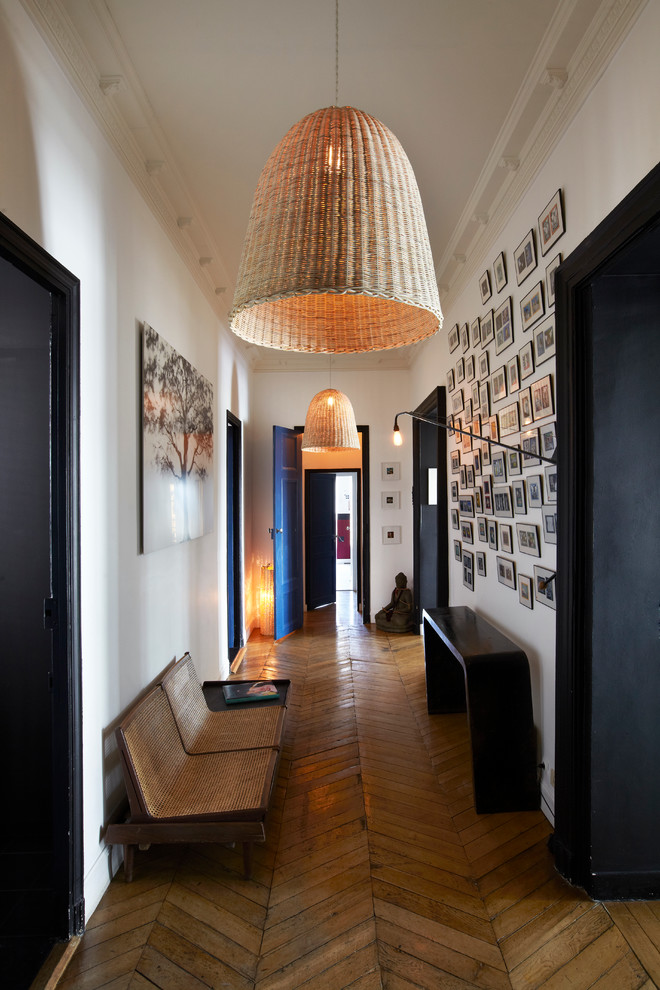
(287, 534)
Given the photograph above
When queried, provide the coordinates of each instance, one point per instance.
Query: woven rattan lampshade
(336, 256)
(330, 423)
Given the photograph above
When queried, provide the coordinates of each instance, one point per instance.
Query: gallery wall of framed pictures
(501, 386)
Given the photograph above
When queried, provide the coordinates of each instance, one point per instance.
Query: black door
(234, 531)
(41, 825)
(320, 538)
(430, 538)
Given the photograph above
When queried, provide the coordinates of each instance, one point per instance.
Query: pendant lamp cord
(336, 53)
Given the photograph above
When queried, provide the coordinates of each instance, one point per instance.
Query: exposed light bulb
(397, 438)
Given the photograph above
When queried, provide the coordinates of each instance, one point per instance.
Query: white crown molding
(607, 31)
(96, 92)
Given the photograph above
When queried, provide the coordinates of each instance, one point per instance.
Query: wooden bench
(206, 778)
(471, 666)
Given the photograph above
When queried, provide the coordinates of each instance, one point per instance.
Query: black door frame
(335, 471)
(635, 215)
(433, 406)
(64, 619)
(234, 491)
(366, 524)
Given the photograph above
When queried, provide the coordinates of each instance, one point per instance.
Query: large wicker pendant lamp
(330, 424)
(336, 256)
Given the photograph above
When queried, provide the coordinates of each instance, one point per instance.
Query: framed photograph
(470, 368)
(484, 287)
(544, 341)
(478, 499)
(390, 500)
(499, 271)
(529, 441)
(512, 374)
(470, 475)
(465, 338)
(542, 403)
(390, 470)
(466, 505)
(525, 406)
(532, 306)
(544, 588)
(455, 461)
(457, 401)
(535, 491)
(506, 572)
(548, 437)
(488, 495)
(491, 428)
(463, 478)
(475, 395)
(524, 257)
(502, 505)
(482, 529)
(453, 338)
(487, 329)
(453, 488)
(483, 366)
(509, 420)
(498, 384)
(549, 516)
(466, 532)
(458, 550)
(514, 459)
(551, 223)
(481, 563)
(526, 361)
(454, 519)
(528, 539)
(492, 534)
(466, 439)
(460, 371)
(551, 483)
(525, 593)
(506, 538)
(518, 496)
(498, 462)
(468, 569)
(451, 380)
(503, 326)
(485, 453)
(475, 332)
(476, 459)
(550, 279)
(391, 534)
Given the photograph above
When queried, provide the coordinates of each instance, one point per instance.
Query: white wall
(61, 184)
(281, 399)
(612, 144)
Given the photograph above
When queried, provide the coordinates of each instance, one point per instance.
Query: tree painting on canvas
(177, 420)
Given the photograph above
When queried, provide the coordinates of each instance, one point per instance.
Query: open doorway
(333, 536)
(349, 523)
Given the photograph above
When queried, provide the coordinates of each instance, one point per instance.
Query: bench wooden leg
(129, 857)
(247, 859)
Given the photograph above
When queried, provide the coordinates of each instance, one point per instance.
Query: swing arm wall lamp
(450, 428)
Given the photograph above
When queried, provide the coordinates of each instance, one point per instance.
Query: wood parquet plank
(376, 870)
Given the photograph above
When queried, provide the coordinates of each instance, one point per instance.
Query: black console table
(471, 666)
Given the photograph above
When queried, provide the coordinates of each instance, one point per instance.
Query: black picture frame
(506, 572)
(502, 504)
(524, 257)
(499, 272)
(485, 287)
(551, 224)
(528, 539)
(503, 320)
(532, 306)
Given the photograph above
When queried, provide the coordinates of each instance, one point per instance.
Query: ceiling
(201, 92)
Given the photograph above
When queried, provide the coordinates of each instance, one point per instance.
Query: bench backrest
(187, 700)
(152, 751)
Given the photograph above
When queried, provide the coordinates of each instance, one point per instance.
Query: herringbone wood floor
(377, 871)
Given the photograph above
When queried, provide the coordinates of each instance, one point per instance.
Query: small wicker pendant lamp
(336, 256)
(330, 423)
